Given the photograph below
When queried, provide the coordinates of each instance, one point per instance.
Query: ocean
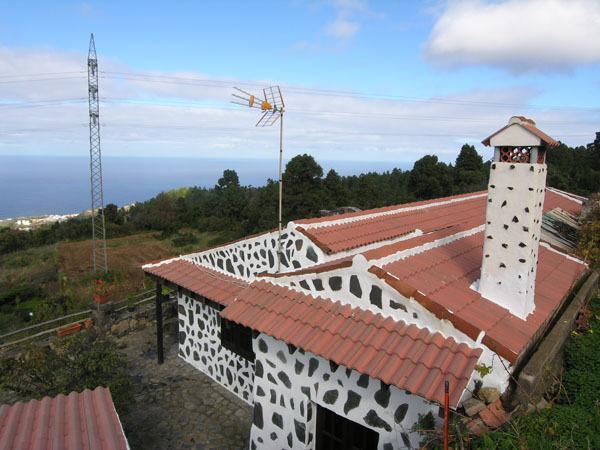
(39, 185)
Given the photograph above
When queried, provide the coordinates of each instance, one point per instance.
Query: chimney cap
(529, 126)
(521, 120)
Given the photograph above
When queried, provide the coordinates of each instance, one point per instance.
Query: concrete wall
(545, 365)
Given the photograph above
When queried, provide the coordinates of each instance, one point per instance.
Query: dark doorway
(338, 433)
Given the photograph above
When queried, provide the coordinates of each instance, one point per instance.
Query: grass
(573, 421)
(46, 282)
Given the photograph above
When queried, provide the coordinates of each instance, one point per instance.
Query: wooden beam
(159, 324)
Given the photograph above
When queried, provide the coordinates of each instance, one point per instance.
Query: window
(237, 338)
(338, 433)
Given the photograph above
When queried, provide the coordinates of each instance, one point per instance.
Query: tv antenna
(272, 106)
(99, 262)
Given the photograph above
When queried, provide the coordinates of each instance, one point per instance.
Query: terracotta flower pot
(101, 299)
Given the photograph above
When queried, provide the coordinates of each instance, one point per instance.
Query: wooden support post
(159, 324)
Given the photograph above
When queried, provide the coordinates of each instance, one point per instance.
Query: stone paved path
(177, 406)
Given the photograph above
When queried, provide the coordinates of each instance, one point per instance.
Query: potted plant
(101, 292)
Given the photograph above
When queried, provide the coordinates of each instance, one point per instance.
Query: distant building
(374, 310)
(80, 420)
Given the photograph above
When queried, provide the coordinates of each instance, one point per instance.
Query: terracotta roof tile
(200, 280)
(446, 282)
(78, 421)
(369, 343)
(436, 221)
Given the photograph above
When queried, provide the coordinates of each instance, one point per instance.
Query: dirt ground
(177, 406)
(125, 258)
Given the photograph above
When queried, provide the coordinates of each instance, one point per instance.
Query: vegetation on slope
(573, 421)
(83, 361)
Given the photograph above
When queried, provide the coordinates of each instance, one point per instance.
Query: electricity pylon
(98, 230)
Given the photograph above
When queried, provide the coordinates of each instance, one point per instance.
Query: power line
(41, 79)
(215, 82)
(195, 105)
(226, 84)
(41, 74)
(41, 103)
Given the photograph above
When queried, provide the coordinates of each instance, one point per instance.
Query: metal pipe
(280, 189)
(446, 412)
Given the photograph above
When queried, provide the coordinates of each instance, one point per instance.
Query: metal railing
(42, 329)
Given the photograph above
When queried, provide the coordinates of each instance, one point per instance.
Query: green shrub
(184, 238)
(83, 361)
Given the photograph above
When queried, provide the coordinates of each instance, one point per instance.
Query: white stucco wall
(200, 345)
(290, 383)
(249, 257)
(512, 235)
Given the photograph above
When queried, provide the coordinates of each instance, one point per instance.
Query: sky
(362, 80)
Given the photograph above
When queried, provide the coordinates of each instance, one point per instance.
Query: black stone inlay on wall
(311, 254)
(355, 286)
(258, 415)
(335, 283)
(352, 401)
(400, 412)
(284, 379)
(363, 381)
(375, 296)
(277, 420)
(330, 396)
(318, 284)
(373, 420)
(313, 363)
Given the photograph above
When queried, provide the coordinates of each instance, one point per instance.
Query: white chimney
(514, 215)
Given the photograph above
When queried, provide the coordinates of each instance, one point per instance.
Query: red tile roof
(78, 421)
(443, 276)
(337, 237)
(404, 355)
(198, 279)
(358, 214)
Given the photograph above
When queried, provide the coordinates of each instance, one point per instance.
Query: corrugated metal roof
(444, 275)
(200, 280)
(406, 356)
(78, 421)
(338, 237)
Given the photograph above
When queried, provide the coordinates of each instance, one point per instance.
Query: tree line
(234, 210)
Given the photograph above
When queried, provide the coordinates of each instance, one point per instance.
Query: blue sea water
(37, 185)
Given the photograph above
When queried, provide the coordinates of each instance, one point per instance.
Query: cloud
(188, 114)
(342, 28)
(520, 35)
(346, 25)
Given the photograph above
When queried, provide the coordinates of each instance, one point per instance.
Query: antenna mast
(272, 107)
(98, 229)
